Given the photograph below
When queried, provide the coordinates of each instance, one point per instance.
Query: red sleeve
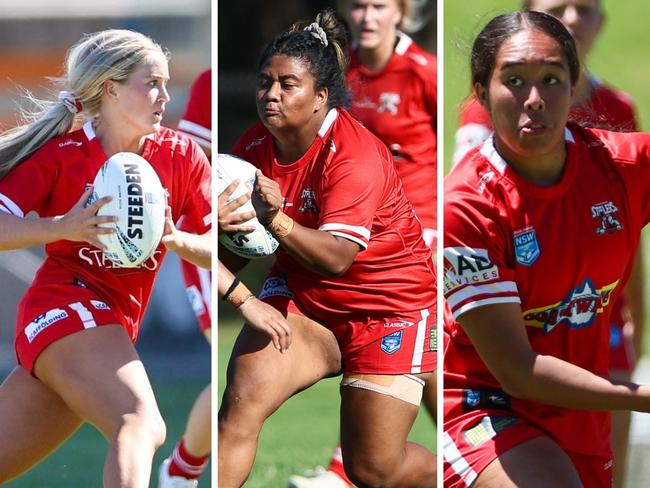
(196, 122)
(197, 205)
(28, 186)
(351, 193)
(476, 269)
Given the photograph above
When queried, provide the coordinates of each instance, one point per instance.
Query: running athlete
(353, 275)
(190, 455)
(541, 225)
(79, 318)
(392, 82)
(594, 105)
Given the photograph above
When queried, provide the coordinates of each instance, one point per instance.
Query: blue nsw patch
(526, 247)
(392, 342)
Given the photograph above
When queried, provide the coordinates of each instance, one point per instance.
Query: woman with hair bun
(81, 315)
(353, 276)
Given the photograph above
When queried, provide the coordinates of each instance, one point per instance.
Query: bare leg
(34, 422)
(99, 375)
(260, 379)
(197, 431)
(374, 428)
(429, 396)
(537, 463)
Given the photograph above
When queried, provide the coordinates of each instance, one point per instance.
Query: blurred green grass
(303, 432)
(79, 462)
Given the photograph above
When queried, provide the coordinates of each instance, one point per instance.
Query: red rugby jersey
(564, 252)
(51, 181)
(606, 109)
(346, 184)
(398, 104)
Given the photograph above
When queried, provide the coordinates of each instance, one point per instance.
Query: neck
(377, 58)
(114, 139)
(292, 143)
(543, 170)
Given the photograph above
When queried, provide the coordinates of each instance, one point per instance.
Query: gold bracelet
(281, 225)
(239, 295)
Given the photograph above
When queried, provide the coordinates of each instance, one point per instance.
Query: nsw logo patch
(526, 247)
(392, 342)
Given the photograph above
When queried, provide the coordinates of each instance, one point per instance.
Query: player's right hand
(229, 219)
(82, 224)
(267, 319)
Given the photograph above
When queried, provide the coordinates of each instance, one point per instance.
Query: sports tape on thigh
(405, 387)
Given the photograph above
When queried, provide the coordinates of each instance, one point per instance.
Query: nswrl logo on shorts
(392, 342)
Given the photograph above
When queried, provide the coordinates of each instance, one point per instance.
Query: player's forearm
(19, 233)
(194, 248)
(317, 251)
(547, 379)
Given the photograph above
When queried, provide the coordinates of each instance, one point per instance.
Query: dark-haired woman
(541, 225)
(353, 275)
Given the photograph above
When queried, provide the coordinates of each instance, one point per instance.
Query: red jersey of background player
(196, 122)
(398, 104)
(504, 242)
(606, 108)
(50, 183)
(346, 184)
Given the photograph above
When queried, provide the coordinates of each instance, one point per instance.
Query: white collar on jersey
(89, 130)
(403, 43)
(489, 151)
(327, 123)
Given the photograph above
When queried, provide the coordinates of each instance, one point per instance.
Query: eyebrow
(511, 64)
(281, 78)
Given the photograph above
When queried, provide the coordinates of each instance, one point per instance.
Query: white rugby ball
(139, 201)
(260, 242)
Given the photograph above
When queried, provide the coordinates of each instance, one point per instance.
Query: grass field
(303, 432)
(78, 463)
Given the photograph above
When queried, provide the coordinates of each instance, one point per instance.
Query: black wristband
(232, 286)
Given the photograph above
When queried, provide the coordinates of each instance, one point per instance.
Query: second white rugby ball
(260, 242)
(138, 203)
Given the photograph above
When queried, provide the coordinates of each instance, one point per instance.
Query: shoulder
(67, 147)
(420, 60)
(621, 147)
(175, 143)
(472, 112)
(252, 141)
(352, 137)
(613, 95)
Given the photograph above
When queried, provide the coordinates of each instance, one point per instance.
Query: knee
(241, 410)
(143, 426)
(369, 472)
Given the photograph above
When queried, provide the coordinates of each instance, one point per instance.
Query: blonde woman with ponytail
(81, 315)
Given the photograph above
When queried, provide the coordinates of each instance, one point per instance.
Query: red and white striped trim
(190, 469)
(420, 337)
(465, 293)
(201, 135)
(362, 234)
(455, 459)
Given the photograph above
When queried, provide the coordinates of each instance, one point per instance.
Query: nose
(570, 16)
(273, 92)
(164, 94)
(534, 101)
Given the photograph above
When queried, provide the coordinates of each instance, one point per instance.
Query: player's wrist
(237, 294)
(280, 225)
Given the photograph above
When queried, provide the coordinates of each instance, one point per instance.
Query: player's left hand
(266, 198)
(172, 237)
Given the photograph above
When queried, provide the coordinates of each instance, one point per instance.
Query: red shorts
(198, 285)
(49, 313)
(399, 343)
(474, 439)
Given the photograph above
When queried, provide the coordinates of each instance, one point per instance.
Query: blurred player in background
(353, 274)
(393, 89)
(190, 456)
(594, 105)
(78, 320)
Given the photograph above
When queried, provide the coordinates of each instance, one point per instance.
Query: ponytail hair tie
(317, 31)
(71, 102)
